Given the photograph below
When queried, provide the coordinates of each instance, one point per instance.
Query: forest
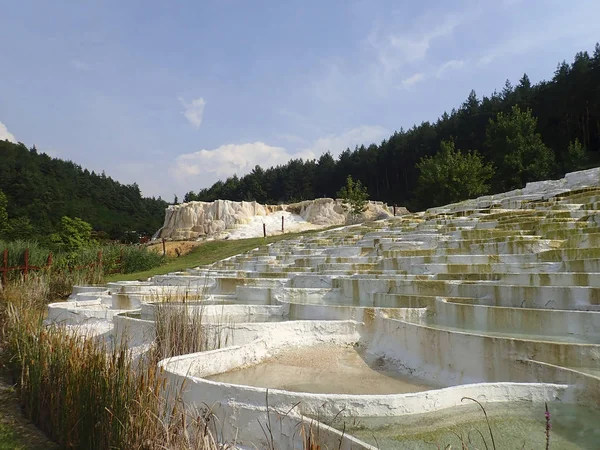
(37, 191)
(523, 133)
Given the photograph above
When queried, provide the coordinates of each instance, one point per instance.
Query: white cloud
(194, 111)
(453, 64)
(5, 135)
(204, 167)
(208, 166)
(407, 83)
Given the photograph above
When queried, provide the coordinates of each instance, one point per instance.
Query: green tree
(517, 149)
(73, 234)
(450, 176)
(3, 214)
(575, 158)
(19, 229)
(354, 197)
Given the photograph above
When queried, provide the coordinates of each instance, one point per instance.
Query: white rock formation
(202, 219)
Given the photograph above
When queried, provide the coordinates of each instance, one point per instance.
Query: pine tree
(450, 176)
(517, 149)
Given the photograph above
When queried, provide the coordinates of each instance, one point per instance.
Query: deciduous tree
(73, 234)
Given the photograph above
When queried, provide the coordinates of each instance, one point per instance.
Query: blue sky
(175, 95)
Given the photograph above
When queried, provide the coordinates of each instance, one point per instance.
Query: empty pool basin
(325, 369)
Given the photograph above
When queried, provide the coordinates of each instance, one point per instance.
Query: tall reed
(83, 393)
(181, 328)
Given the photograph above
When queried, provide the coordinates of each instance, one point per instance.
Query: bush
(138, 258)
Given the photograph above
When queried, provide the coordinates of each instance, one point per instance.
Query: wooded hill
(564, 113)
(40, 190)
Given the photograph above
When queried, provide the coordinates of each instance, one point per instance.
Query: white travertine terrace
(496, 298)
(222, 218)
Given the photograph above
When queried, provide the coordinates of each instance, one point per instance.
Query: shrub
(138, 258)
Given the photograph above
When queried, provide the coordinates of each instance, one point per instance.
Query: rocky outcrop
(195, 220)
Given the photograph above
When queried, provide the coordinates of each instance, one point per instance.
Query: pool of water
(513, 425)
(325, 369)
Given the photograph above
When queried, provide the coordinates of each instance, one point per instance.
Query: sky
(176, 95)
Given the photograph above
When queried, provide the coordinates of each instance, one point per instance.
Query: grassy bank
(208, 253)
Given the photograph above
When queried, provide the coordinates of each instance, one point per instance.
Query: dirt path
(184, 247)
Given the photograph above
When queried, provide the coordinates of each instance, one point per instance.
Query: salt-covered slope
(225, 218)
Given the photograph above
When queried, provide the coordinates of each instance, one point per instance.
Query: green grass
(209, 253)
(9, 439)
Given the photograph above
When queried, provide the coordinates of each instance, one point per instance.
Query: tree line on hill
(38, 191)
(491, 144)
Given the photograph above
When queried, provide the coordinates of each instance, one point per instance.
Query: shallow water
(325, 369)
(514, 426)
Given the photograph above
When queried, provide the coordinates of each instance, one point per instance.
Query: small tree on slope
(354, 197)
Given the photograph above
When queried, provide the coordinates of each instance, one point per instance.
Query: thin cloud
(194, 111)
(394, 50)
(205, 167)
(555, 28)
(337, 143)
(409, 82)
(448, 66)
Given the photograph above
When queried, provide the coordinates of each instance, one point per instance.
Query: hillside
(41, 190)
(567, 110)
